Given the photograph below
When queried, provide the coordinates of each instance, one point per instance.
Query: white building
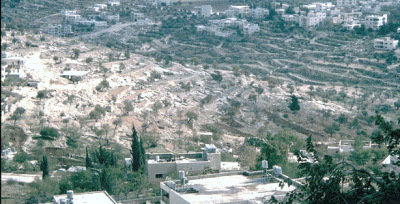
(201, 28)
(350, 25)
(260, 13)
(100, 6)
(137, 16)
(346, 146)
(72, 17)
(159, 166)
(112, 18)
(14, 60)
(312, 19)
(95, 197)
(236, 10)
(203, 10)
(145, 21)
(319, 7)
(280, 11)
(346, 3)
(375, 21)
(67, 12)
(290, 17)
(59, 30)
(113, 2)
(385, 43)
(232, 188)
(389, 164)
(250, 28)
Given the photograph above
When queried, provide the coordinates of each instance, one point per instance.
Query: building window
(165, 197)
(159, 175)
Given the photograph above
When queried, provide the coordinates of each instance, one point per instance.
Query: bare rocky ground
(137, 83)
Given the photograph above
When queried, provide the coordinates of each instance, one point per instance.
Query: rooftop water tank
(277, 170)
(181, 174)
(157, 158)
(70, 194)
(264, 164)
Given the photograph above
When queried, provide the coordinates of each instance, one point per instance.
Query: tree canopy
(325, 178)
(294, 104)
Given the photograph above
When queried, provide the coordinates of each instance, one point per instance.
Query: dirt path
(23, 178)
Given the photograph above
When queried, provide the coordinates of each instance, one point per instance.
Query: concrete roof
(390, 160)
(95, 197)
(233, 188)
(178, 161)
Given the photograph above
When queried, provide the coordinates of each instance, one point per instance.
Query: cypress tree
(44, 166)
(142, 156)
(294, 105)
(135, 150)
(88, 160)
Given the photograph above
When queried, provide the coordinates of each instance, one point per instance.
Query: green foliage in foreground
(325, 177)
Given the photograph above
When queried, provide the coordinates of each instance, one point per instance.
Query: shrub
(49, 133)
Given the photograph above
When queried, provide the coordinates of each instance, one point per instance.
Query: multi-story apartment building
(346, 3)
(375, 21)
(59, 30)
(385, 43)
(203, 10)
(70, 18)
(312, 19)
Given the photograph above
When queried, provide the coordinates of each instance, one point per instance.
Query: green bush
(49, 133)
(206, 139)
(21, 157)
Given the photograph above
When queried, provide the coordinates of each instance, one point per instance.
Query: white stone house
(385, 43)
(375, 21)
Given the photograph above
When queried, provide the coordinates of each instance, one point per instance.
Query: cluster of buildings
(349, 13)
(246, 12)
(193, 186)
(11, 66)
(227, 27)
(346, 146)
(8, 153)
(230, 26)
(96, 18)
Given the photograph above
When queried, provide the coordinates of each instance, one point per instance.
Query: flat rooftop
(89, 198)
(178, 161)
(234, 188)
